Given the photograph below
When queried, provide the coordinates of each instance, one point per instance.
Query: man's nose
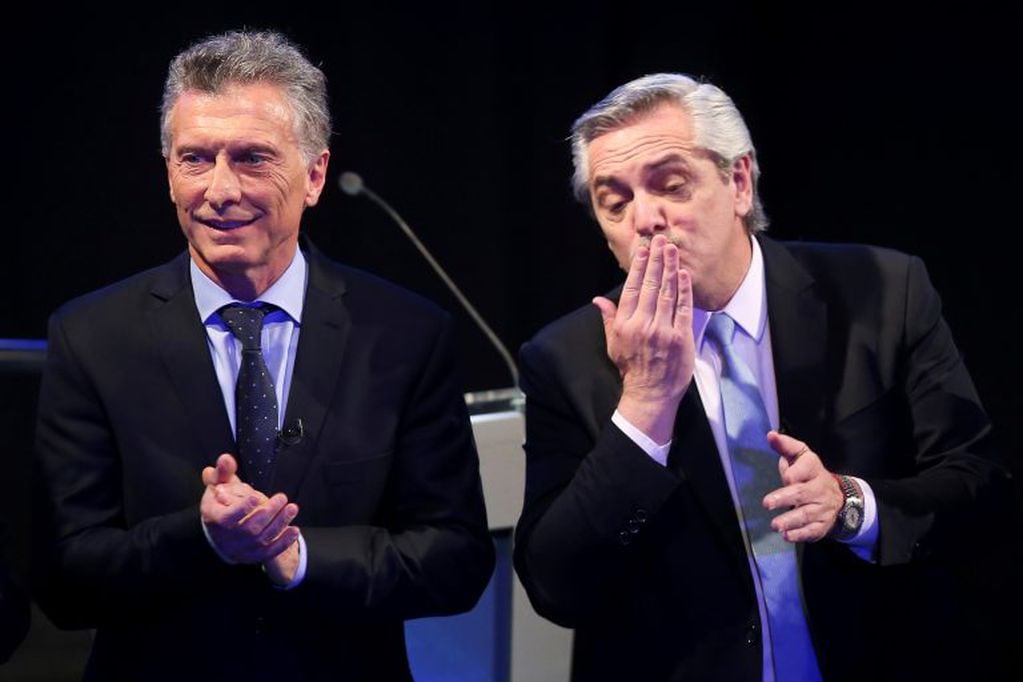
(648, 215)
(224, 188)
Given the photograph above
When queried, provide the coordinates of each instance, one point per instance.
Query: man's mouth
(226, 224)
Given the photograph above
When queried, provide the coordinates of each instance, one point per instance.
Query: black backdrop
(894, 127)
(891, 128)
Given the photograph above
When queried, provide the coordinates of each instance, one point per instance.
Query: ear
(316, 176)
(742, 181)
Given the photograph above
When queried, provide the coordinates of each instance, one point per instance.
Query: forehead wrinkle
(673, 150)
(261, 107)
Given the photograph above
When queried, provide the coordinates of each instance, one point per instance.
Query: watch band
(850, 517)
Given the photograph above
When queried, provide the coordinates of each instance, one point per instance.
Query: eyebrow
(666, 160)
(232, 149)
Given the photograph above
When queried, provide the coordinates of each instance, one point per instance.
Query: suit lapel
(694, 455)
(798, 319)
(180, 338)
(321, 346)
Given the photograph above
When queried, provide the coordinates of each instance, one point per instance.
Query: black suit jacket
(386, 478)
(647, 562)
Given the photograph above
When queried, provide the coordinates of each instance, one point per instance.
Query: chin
(225, 256)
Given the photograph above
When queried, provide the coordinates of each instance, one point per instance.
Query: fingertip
(605, 306)
(226, 464)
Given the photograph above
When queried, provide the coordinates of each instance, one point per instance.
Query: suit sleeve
(588, 501)
(958, 482)
(430, 551)
(91, 568)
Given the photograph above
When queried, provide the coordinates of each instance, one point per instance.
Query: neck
(244, 284)
(725, 280)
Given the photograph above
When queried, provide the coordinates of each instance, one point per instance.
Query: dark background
(874, 125)
(892, 127)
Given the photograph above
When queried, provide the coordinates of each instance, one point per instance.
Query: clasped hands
(650, 340)
(245, 525)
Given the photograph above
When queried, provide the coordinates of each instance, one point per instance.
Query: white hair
(717, 125)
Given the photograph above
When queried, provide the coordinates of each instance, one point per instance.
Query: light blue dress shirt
(279, 342)
(748, 307)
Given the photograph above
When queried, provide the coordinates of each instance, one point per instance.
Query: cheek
(186, 192)
(285, 187)
(622, 247)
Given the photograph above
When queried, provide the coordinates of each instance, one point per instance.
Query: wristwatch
(850, 516)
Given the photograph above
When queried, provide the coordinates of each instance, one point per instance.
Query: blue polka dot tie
(255, 398)
(755, 472)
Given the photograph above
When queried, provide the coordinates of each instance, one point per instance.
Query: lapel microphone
(352, 185)
(291, 434)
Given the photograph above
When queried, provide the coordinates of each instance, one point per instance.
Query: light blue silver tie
(755, 472)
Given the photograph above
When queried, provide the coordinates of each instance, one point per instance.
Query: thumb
(227, 468)
(786, 446)
(608, 310)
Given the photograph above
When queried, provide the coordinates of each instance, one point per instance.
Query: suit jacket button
(753, 634)
(640, 514)
(624, 537)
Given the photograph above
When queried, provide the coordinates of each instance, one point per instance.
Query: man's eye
(253, 159)
(191, 159)
(613, 206)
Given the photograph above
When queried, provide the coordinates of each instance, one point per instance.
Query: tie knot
(245, 322)
(721, 328)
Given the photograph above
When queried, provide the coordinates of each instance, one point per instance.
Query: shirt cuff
(864, 543)
(658, 453)
(303, 560)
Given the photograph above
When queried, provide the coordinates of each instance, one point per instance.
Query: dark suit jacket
(386, 478)
(647, 563)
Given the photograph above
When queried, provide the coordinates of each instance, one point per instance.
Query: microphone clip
(291, 434)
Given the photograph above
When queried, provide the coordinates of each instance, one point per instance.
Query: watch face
(853, 517)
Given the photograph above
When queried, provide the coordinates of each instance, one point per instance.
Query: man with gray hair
(254, 463)
(754, 459)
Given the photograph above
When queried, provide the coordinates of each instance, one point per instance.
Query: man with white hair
(752, 460)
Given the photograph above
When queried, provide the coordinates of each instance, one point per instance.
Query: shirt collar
(748, 305)
(287, 293)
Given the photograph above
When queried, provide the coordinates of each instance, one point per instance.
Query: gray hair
(717, 125)
(240, 57)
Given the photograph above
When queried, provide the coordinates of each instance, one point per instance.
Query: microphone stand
(352, 184)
